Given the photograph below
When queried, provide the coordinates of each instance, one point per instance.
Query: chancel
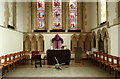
(59, 38)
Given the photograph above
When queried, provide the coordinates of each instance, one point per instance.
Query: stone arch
(40, 43)
(81, 42)
(27, 43)
(104, 30)
(73, 42)
(93, 40)
(100, 43)
(105, 36)
(87, 42)
(34, 43)
(99, 33)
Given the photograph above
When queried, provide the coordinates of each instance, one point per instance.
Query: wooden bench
(114, 62)
(94, 57)
(4, 64)
(9, 61)
(101, 59)
(117, 68)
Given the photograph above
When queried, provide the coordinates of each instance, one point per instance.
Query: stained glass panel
(41, 24)
(57, 14)
(56, 3)
(57, 24)
(41, 5)
(73, 14)
(73, 4)
(41, 14)
(73, 24)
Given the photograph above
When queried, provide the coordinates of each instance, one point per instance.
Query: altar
(63, 56)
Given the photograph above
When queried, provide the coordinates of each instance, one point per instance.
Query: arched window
(57, 14)
(41, 14)
(73, 14)
(102, 11)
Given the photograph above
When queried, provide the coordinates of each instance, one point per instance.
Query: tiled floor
(74, 70)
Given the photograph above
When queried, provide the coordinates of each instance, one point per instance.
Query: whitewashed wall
(119, 40)
(10, 41)
(114, 40)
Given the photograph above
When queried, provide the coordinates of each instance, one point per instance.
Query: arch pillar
(97, 44)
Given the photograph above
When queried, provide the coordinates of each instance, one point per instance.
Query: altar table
(63, 56)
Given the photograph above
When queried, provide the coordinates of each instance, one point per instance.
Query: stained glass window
(73, 14)
(41, 14)
(103, 11)
(57, 14)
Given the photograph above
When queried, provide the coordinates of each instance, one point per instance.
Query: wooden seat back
(21, 53)
(3, 59)
(109, 59)
(98, 55)
(0, 60)
(105, 57)
(101, 56)
(12, 56)
(95, 54)
(118, 61)
(115, 60)
(18, 54)
(8, 57)
(15, 54)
